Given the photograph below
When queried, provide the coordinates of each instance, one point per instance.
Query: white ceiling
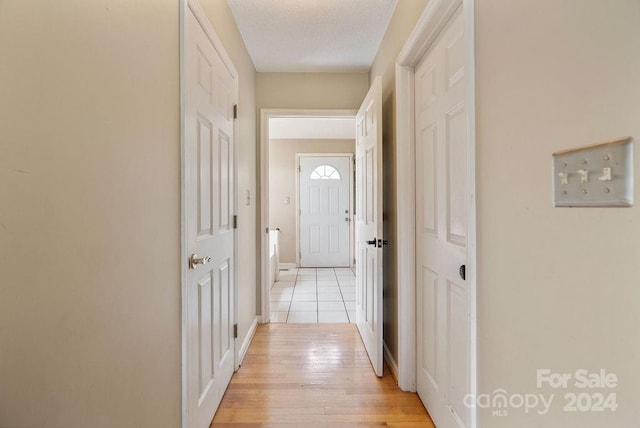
(312, 35)
(312, 128)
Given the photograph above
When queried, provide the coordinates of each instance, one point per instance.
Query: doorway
(310, 188)
(437, 229)
(288, 136)
(368, 223)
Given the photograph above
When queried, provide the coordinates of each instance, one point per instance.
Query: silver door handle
(194, 261)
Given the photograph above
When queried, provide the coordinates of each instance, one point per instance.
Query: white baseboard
(285, 266)
(391, 363)
(247, 340)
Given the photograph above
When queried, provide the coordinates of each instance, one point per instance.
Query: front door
(210, 91)
(442, 307)
(369, 239)
(324, 211)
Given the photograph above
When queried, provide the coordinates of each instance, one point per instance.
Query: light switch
(611, 162)
(584, 175)
(564, 178)
(606, 174)
(287, 200)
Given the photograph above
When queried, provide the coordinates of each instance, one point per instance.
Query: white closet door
(443, 316)
(209, 209)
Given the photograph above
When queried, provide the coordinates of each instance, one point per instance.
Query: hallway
(316, 375)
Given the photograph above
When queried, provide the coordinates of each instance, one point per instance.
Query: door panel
(369, 184)
(205, 333)
(334, 239)
(459, 350)
(325, 204)
(430, 315)
(224, 167)
(428, 158)
(457, 175)
(209, 208)
(334, 201)
(369, 224)
(443, 310)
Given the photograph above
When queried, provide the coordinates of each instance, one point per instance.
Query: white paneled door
(324, 211)
(443, 305)
(369, 239)
(210, 93)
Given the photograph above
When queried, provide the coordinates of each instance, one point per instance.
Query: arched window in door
(325, 172)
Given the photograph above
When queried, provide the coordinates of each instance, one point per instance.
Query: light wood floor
(314, 375)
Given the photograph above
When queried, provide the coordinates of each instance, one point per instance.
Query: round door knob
(194, 261)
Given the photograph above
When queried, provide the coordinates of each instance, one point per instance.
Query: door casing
(432, 21)
(263, 237)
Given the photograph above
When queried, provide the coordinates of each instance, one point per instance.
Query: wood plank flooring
(314, 375)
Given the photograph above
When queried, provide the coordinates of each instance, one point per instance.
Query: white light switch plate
(600, 175)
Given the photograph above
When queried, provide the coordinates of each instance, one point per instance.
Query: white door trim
(351, 200)
(263, 262)
(201, 16)
(434, 18)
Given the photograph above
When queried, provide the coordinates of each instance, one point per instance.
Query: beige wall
(311, 90)
(282, 183)
(89, 214)
(402, 22)
(224, 25)
(557, 288)
(90, 318)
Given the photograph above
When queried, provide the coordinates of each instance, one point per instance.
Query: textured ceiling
(312, 35)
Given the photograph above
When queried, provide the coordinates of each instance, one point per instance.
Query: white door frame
(265, 115)
(432, 21)
(351, 196)
(201, 16)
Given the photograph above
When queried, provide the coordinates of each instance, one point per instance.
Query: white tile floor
(314, 295)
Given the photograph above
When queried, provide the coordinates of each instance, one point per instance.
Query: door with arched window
(325, 211)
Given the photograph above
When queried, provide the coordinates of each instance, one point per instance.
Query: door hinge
(235, 221)
(235, 111)
(235, 331)
(299, 169)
